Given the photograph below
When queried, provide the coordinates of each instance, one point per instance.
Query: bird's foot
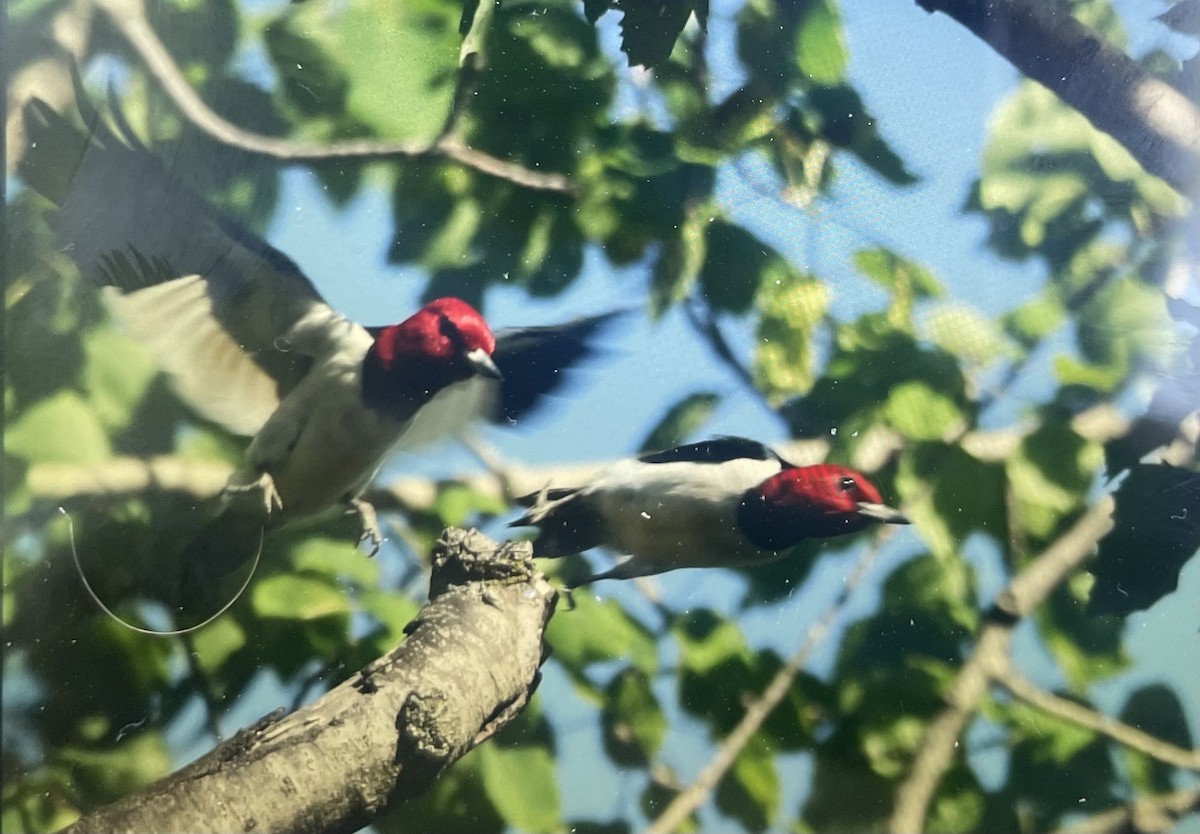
(265, 484)
(370, 523)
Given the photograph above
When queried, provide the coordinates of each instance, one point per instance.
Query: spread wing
(716, 450)
(234, 321)
(534, 361)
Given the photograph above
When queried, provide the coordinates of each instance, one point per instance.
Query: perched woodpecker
(249, 343)
(725, 502)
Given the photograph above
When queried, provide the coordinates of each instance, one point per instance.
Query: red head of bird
(811, 501)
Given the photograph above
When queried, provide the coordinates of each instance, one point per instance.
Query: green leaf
(62, 427)
(734, 267)
(598, 630)
(520, 782)
(216, 643)
(649, 27)
(388, 66)
(906, 280)
(392, 610)
(1126, 321)
(456, 504)
(457, 803)
(1050, 474)
(297, 598)
(1035, 319)
(707, 640)
(843, 120)
(792, 307)
(750, 790)
(116, 772)
(820, 45)
(335, 559)
(681, 421)
(116, 374)
(1155, 709)
(1087, 648)
(678, 265)
(919, 412)
(949, 494)
(1157, 532)
(968, 334)
(1053, 763)
(632, 721)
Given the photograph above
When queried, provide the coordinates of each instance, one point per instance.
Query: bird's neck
(776, 527)
(399, 387)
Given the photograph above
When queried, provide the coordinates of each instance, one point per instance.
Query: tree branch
(1144, 815)
(56, 481)
(129, 17)
(1155, 122)
(466, 669)
(687, 801)
(1021, 687)
(1024, 593)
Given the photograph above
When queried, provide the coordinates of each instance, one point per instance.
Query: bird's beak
(483, 364)
(882, 512)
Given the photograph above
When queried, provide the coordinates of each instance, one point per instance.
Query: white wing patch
(208, 369)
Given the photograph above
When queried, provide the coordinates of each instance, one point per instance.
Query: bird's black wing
(533, 361)
(233, 320)
(716, 450)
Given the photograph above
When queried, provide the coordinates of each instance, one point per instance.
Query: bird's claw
(272, 501)
(370, 524)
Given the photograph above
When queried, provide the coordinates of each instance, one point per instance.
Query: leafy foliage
(973, 413)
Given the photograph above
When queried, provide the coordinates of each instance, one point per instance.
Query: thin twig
(1024, 593)
(687, 801)
(1021, 687)
(1145, 814)
(130, 20)
(705, 324)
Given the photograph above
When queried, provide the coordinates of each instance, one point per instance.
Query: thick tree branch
(129, 17)
(1155, 122)
(1118, 731)
(1024, 593)
(203, 479)
(688, 800)
(467, 668)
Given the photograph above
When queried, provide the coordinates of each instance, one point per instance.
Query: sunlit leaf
(921, 413)
(62, 427)
(520, 781)
(793, 306)
(290, 597)
(599, 630)
(820, 46)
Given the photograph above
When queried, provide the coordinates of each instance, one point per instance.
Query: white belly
(680, 514)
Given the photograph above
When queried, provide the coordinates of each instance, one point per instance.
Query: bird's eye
(450, 330)
(847, 483)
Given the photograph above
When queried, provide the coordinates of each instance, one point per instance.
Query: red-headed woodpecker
(725, 502)
(249, 343)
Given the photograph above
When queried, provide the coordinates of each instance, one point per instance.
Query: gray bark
(1155, 122)
(468, 666)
